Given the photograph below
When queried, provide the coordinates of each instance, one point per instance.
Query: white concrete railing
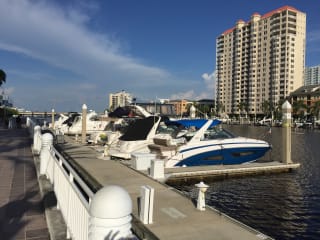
(72, 194)
(87, 215)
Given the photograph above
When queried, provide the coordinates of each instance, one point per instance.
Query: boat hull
(220, 153)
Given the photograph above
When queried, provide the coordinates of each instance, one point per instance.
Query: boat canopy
(198, 123)
(139, 129)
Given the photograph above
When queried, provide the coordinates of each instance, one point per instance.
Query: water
(283, 206)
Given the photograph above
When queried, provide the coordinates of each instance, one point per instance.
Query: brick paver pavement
(21, 206)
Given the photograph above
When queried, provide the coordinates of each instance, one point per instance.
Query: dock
(27, 214)
(209, 173)
(175, 216)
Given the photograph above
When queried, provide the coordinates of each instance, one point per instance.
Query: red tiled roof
(279, 10)
(228, 31)
(265, 16)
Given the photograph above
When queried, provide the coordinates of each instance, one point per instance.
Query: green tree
(299, 108)
(242, 106)
(3, 76)
(278, 109)
(266, 107)
(315, 109)
(220, 108)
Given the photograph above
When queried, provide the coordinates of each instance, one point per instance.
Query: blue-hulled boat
(204, 142)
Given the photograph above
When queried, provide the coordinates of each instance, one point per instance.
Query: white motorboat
(204, 142)
(73, 125)
(136, 138)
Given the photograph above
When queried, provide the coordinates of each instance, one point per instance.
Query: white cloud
(209, 81)
(183, 95)
(46, 33)
(84, 65)
(60, 38)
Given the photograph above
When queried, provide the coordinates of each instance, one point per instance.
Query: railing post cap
(47, 137)
(201, 185)
(37, 128)
(286, 105)
(84, 106)
(111, 202)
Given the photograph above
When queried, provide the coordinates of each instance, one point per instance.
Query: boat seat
(161, 148)
(161, 151)
(162, 141)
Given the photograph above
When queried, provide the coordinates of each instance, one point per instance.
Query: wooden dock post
(84, 124)
(286, 133)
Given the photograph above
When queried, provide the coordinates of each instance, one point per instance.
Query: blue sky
(61, 54)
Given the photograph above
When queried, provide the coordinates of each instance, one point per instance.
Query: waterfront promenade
(175, 216)
(21, 205)
(22, 211)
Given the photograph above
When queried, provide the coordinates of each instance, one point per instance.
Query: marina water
(282, 206)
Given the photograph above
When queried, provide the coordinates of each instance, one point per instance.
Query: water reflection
(283, 206)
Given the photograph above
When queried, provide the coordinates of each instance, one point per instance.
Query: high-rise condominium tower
(260, 60)
(312, 75)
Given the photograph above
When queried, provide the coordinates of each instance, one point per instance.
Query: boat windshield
(217, 132)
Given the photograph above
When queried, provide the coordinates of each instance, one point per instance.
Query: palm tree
(2, 77)
(299, 107)
(278, 109)
(315, 109)
(266, 108)
(220, 108)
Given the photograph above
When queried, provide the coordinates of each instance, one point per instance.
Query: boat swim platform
(212, 172)
(175, 216)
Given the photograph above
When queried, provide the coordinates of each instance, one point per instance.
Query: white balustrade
(36, 139)
(146, 204)
(46, 145)
(74, 197)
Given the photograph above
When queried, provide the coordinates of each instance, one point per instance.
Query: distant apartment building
(5, 101)
(308, 94)
(312, 75)
(260, 60)
(119, 99)
(180, 106)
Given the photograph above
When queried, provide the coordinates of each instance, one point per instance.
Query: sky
(61, 54)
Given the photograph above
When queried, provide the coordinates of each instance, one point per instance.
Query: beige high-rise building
(119, 99)
(260, 60)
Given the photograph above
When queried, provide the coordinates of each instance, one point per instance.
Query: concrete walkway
(175, 216)
(21, 205)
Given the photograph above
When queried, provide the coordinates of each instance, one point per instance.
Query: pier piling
(52, 118)
(286, 133)
(201, 203)
(84, 124)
